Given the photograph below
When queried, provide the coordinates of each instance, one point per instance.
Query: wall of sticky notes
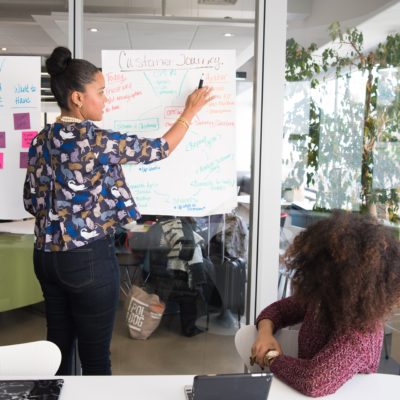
(19, 124)
(146, 93)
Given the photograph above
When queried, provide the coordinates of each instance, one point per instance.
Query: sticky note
(23, 160)
(1, 160)
(2, 140)
(22, 121)
(27, 138)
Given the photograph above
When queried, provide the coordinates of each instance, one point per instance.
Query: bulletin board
(146, 93)
(19, 124)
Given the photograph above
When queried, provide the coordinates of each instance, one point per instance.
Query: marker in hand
(200, 82)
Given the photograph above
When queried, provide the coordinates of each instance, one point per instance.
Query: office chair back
(41, 358)
(247, 334)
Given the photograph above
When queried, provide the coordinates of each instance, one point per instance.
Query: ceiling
(35, 27)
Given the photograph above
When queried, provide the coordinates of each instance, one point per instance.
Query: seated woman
(346, 282)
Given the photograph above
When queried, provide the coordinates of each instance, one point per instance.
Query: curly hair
(348, 267)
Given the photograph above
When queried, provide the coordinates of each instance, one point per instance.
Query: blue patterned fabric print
(75, 186)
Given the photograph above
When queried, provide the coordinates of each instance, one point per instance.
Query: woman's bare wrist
(188, 115)
(266, 326)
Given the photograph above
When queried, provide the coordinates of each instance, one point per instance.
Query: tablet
(230, 387)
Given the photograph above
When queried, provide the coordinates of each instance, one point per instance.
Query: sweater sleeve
(283, 313)
(340, 359)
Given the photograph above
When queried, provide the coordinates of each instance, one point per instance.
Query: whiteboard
(146, 93)
(19, 123)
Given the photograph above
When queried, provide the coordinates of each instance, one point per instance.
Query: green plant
(343, 59)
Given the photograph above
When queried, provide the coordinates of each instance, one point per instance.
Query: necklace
(65, 118)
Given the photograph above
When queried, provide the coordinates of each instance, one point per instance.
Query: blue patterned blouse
(75, 186)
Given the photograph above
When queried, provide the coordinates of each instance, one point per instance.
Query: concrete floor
(165, 352)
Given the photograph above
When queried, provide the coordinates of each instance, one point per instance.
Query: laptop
(230, 387)
(33, 389)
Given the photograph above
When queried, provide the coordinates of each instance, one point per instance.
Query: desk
(23, 227)
(18, 284)
(243, 199)
(170, 387)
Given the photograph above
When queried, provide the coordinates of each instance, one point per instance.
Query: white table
(21, 227)
(170, 387)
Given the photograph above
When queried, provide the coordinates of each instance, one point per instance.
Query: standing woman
(76, 189)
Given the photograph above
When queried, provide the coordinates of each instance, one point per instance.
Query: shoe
(192, 331)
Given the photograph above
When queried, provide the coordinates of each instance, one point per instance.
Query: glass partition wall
(204, 286)
(196, 333)
(341, 118)
(340, 139)
(34, 28)
(27, 28)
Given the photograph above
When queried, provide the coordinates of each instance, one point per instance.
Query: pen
(201, 82)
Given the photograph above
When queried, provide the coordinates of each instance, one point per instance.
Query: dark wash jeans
(81, 292)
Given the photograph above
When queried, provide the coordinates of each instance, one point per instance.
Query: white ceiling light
(4, 49)
(228, 34)
(93, 30)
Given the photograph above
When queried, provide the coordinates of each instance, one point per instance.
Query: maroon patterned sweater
(325, 362)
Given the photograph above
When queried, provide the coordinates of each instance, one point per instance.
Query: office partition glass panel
(195, 262)
(34, 28)
(28, 28)
(341, 120)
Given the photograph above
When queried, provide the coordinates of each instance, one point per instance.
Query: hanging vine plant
(381, 122)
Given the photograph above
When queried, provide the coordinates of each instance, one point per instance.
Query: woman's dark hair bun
(68, 74)
(58, 61)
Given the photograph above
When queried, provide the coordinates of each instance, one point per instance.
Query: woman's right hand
(194, 103)
(197, 100)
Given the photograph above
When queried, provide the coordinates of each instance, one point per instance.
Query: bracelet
(183, 121)
(270, 355)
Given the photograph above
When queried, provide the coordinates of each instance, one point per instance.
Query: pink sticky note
(2, 140)
(27, 138)
(22, 121)
(1, 161)
(23, 160)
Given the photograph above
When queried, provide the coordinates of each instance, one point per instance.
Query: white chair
(246, 335)
(392, 324)
(41, 358)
